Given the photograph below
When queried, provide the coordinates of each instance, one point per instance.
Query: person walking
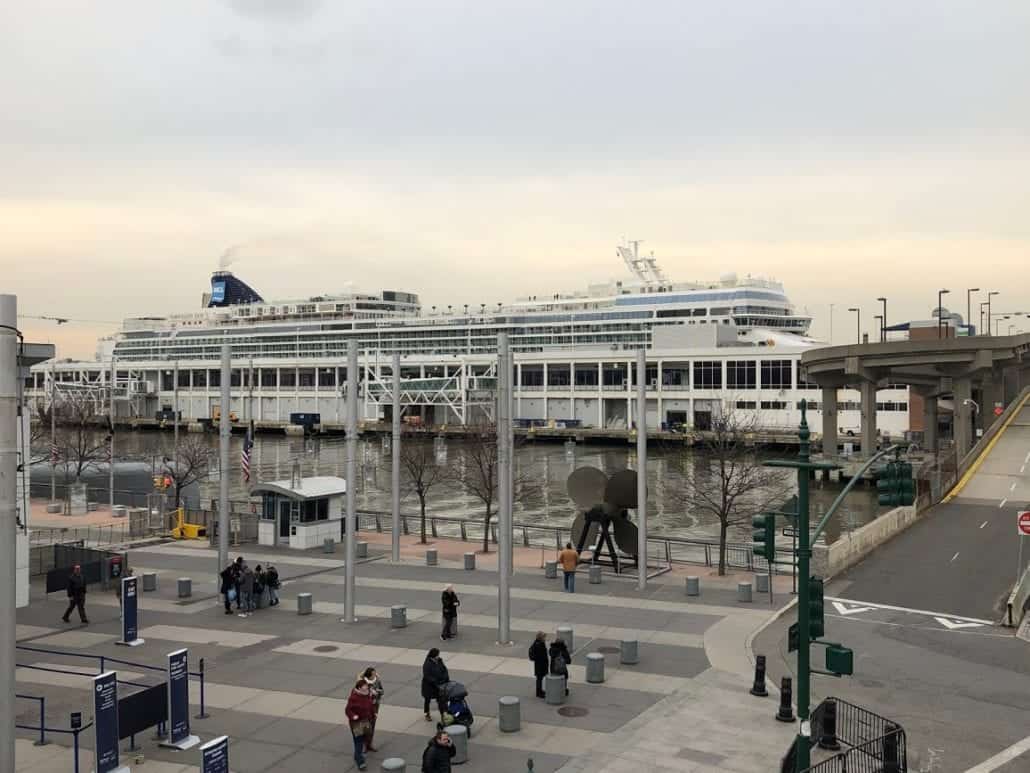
(560, 660)
(76, 595)
(272, 577)
(360, 711)
(538, 654)
(228, 587)
(438, 754)
(569, 560)
(118, 587)
(434, 676)
(247, 590)
(375, 686)
(449, 601)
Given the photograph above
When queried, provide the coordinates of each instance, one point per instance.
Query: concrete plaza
(277, 682)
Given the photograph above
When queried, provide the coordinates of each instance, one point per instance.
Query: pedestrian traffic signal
(816, 621)
(793, 638)
(895, 485)
(763, 536)
(840, 660)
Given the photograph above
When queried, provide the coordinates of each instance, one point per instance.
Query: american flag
(245, 457)
(55, 453)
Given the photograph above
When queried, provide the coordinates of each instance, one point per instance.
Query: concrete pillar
(398, 616)
(829, 406)
(962, 389)
(595, 668)
(554, 689)
(930, 420)
(509, 714)
(868, 423)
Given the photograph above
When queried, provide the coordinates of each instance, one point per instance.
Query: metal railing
(42, 717)
(875, 743)
(72, 731)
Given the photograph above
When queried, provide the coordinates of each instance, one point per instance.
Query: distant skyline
(473, 154)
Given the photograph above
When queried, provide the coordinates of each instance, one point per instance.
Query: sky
(476, 152)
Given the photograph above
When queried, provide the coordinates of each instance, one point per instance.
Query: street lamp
(940, 312)
(983, 305)
(997, 322)
(989, 295)
(880, 325)
(969, 308)
(858, 323)
(883, 320)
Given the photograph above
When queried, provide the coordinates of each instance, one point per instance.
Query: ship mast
(643, 268)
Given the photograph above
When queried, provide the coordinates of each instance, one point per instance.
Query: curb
(758, 631)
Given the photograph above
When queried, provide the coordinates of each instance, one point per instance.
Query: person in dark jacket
(76, 595)
(449, 601)
(360, 714)
(272, 576)
(560, 660)
(538, 654)
(437, 756)
(434, 676)
(228, 577)
(237, 581)
(247, 590)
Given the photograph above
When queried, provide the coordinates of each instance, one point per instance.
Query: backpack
(425, 760)
(558, 666)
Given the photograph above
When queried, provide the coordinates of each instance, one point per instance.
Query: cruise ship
(730, 344)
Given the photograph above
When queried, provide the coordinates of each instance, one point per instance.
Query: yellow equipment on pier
(185, 530)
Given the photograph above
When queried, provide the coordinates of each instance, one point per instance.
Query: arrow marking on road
(845, 610)
(983, 524)
(952, 625)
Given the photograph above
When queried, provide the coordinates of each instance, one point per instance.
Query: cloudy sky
(473, 152)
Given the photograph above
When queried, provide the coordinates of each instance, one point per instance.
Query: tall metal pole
(224, 431)
(503, 483)
(510, 489)
(395, 471)
(53, 430)
(8, 522)
(352, 477)
(641, 470)
(804, 556)
(175, 418)
(110, 447)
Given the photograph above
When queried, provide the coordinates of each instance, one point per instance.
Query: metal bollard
(891, 754)
(392, 765)
(554, 689)
(431, 557)
(595, 574)
(693, 586)
(460, 740)
(551, 570)
(744, 592)
(470, 561)
(564, 633)
(398, 616)
(149, 581)
(595, 668)
(303, 603)
(758, 688)
(185, 587)
(786, 712)
(762, 583)
(629, 654)
(361, 550)
(828, 738)
(509, 714)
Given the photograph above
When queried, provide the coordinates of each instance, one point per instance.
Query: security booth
(301, 513)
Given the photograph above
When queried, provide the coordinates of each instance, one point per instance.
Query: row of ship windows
(814, 405)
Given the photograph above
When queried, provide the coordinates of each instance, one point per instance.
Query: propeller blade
(586, 487)
(621, 491)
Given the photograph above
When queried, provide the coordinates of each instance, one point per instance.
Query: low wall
(1018, 599)
(830, 560)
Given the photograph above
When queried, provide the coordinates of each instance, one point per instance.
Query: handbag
(360, 728)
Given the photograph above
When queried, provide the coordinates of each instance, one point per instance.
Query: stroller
(453, 696)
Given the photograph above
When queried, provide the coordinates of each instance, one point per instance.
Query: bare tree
(422, 472)
(84, 433)
(189, 464)
(728, 481)
(480, 479)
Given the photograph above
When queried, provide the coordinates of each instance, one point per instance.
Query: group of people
(553, 660)
(246, 586)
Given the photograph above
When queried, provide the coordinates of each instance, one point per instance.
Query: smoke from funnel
(230, 256)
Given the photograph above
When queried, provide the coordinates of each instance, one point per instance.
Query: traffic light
(763, 536)
(816, 621)
(793, 638)
(895, 485)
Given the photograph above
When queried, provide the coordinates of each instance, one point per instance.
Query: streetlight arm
(851, 484)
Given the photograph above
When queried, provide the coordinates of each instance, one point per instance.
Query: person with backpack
(560, 660)
(272, 578)
(434, 676)
(538, 654)
(259, 585)
(449, 601)
(360, 713)
(438, 754)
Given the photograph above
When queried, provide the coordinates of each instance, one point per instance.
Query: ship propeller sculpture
(602, 503)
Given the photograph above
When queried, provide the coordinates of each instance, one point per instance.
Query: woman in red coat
(360, 713)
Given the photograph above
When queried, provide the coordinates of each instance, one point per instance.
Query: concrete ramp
(1000, 476)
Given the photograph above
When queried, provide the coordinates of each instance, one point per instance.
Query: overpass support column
(963, 392)
(868, 418)
(829, 406)
(930, 423)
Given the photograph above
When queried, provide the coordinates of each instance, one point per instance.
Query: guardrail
(1016, 605)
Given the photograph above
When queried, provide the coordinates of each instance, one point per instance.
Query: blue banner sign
(178, 696)
(130, 610)
(105, 721)
(214, 756)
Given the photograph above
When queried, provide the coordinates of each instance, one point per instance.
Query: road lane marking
(913, 611)
(1005, 755)
(845, 610)
(951, 625)
(1001, 504)
(954, 557)
(1022, 469)
(983, 524)
(1013, 486)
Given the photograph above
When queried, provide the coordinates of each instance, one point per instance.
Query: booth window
(315, 510)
